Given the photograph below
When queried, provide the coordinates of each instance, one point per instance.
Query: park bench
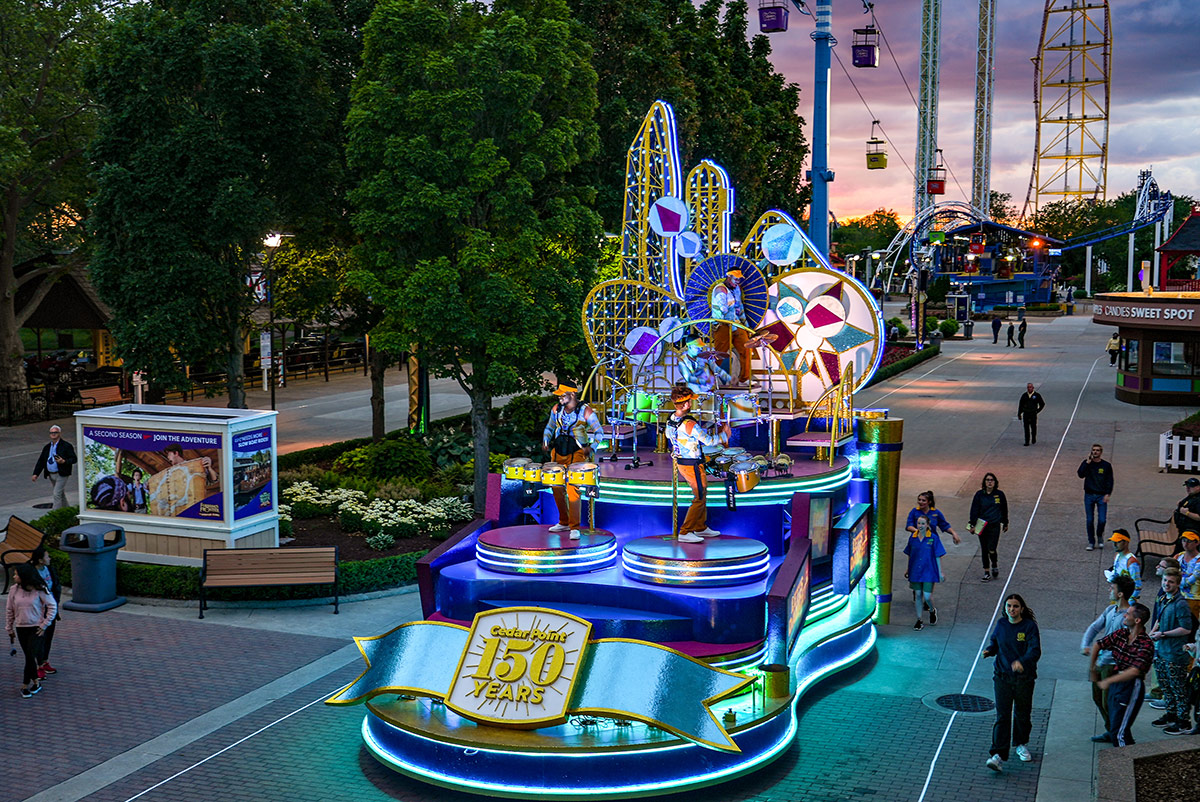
(246, 568)
(20, 540)
(110, 394)
(1156, 540)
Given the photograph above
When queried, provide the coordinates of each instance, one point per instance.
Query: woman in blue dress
(927, 508)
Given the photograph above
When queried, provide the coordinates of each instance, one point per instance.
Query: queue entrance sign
(179, 480)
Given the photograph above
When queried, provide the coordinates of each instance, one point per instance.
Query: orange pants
(567, 498)
(721, 342)
(697, 514)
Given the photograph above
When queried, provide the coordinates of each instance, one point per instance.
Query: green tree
(730, 104)
(46, 120)
(477, 238)
(211, 137)
(1002, 208)
(872, 232)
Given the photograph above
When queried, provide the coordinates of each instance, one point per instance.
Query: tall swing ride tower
(1071, 96)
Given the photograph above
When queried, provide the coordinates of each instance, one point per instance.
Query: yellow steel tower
(1071, 97)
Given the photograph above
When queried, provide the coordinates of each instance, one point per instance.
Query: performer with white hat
(571, 431)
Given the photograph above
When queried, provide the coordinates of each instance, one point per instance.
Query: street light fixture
(271, 242)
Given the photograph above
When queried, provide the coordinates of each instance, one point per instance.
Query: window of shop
(1129, 357)
(1176, 359)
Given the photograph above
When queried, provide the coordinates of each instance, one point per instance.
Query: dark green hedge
(183, 581)
(901, 365)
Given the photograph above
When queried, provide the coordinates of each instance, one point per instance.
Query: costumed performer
(700, 370)
(688, 439)
(726, 301)
(570, 433)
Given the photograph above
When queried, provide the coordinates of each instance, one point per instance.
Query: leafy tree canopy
(211, 137)
(730, 104)
(871, 232)
(466, 127)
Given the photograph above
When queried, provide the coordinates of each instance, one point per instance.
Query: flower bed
(381, 521)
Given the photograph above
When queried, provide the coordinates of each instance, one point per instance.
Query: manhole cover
(965, 703)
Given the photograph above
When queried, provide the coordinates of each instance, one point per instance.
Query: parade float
(626, 662)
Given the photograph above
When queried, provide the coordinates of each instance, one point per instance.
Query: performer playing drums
(727, 305)
(569, 434)
(688, 439)
(699, 367)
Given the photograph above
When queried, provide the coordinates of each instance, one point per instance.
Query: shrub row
(183, 581)
(901, 365)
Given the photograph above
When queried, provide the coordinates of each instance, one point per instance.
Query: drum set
(582, 475)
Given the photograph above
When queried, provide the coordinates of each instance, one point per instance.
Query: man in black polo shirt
(1097, 475)
(1187, 511)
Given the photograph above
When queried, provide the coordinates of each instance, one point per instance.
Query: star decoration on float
(828, 320)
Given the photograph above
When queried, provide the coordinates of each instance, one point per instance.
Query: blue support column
(821, 176)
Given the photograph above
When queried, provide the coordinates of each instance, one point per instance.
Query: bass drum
(742, 409)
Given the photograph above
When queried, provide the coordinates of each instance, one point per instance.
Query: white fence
(1181, 453)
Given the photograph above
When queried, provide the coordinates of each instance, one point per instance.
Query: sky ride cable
(866, 105)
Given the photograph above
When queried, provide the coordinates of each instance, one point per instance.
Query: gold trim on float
(358, 641)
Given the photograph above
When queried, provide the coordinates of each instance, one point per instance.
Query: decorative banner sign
(253, 490)
(1152, 311)
(152, 472)
(529, 667)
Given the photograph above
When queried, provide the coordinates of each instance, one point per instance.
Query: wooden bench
(1156, 540)
(102, 395)
(20, 540)
(246, 568)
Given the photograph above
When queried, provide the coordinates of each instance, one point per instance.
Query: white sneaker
(559, 528)
(690, 537)
(1023, 753)
(708, 531)
(995, 764)
(574, 534)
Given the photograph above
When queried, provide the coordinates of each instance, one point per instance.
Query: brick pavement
(317, 754)
(123, 679)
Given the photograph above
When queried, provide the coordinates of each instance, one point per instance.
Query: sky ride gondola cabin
(772, 16)
(865, 49)
(936, 183)
(876, 151)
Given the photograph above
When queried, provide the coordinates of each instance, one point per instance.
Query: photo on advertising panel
(253, 485)
(150, 472)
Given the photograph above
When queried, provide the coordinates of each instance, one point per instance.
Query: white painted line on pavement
(244, 738)
(939, 366)
(987, 633)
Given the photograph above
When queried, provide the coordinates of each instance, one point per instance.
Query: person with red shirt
(1133, 654)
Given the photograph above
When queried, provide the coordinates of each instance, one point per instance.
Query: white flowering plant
(382, 520)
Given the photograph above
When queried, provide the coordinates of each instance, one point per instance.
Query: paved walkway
(152, 704)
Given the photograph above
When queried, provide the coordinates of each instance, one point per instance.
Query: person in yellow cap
(1189, 566)
(570, 432)
(1125, 563)
(726, 301)
(688, 439)
(698, 368)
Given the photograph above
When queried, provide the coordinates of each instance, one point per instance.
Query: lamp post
(272, 244)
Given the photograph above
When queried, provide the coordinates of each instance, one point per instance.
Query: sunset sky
(1154, 114)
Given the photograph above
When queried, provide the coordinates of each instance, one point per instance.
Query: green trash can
(93, 550)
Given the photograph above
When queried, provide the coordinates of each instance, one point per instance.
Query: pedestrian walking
(1170, 629)
(1016, 644)
(55, 463)
(1012, 329)
(1125, 562)
(996, 324)
(1028, 409)
(40, 560)
(29, 611)
(1120, 591)
(1133, 652)
(1097, 475)
(925, 550)
(1113, 348)
(989, 517)
(1021, 333)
